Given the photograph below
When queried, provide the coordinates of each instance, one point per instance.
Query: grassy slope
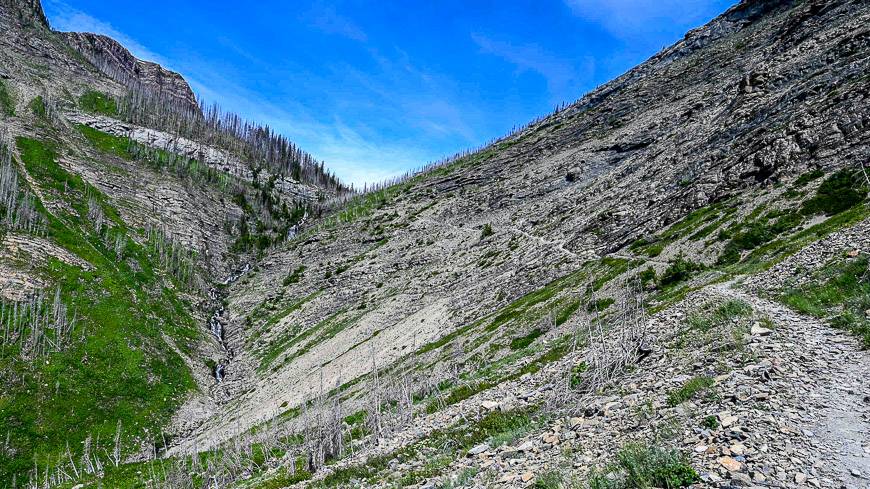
(118, 367)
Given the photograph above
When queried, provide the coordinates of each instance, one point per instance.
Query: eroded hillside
(639, 290)
(117, 232)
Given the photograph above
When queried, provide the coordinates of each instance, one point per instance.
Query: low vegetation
(839, 293)
(7, 103)
(692, 387)
(98, 103)
(639, 466)
(118, 369)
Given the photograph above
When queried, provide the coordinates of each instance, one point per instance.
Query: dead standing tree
(614, 344)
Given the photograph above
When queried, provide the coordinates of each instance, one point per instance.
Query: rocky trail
(828, 376)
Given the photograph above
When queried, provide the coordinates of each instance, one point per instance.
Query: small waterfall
(215, 322)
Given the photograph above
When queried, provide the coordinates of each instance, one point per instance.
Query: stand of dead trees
(38, 326)
(17, 206)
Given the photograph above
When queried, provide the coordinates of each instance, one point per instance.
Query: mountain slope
(521, 315)
(113, 246)
(760, 96)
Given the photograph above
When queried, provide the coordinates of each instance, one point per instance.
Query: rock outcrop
(117, 62)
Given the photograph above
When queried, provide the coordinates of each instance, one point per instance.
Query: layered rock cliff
(117, 62)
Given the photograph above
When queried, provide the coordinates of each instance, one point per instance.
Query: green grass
(565, 312)
(37, 107)
(765, 256)
(322, 331)
(7, 103)
(157, 159)
(524, 341)
(119, 367)
(678, 271)
(549, 480)
(689, 390)
(294, 277)
(696, 224)
(721, 316)
(284, 478)
(840, 293)
(98, 103)
(107, 143)
(439, 448)
(600, 305)
(808, 177)
(839, 192)
(640, 466)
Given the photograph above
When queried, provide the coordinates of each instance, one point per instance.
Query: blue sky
(377, 88)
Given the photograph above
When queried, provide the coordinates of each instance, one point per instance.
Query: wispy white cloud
(561, 74)
(637, 19)
(326, 19)
(69, 19)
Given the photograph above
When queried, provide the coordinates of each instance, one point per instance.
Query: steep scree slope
(720, 122)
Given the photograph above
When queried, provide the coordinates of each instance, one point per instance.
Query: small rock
(730, 464)
(800, 478)
(739, 479)
(527, 446)
(726, 421)
(490, 405)
(478, 449)
(757, 330)
(527, 476)
(855, 472)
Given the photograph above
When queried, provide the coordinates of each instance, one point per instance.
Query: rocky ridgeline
(213, 157)
(116, 61)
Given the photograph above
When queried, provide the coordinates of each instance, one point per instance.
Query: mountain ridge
(117, 62)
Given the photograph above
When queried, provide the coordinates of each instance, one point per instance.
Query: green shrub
(757, 233)
(655, 250)
(98, 103)
(679, 269)
(600, 305)
(642, 467)
(524, 341)
(548, 480)
(284, 479)
(808, 177)
(730, 254)
(567, 311)
(487, 231)
(839, 192)
(577, 374)
(710, 422)
(690, 389)
(647, 276)
(37, 107)
(294, 277)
